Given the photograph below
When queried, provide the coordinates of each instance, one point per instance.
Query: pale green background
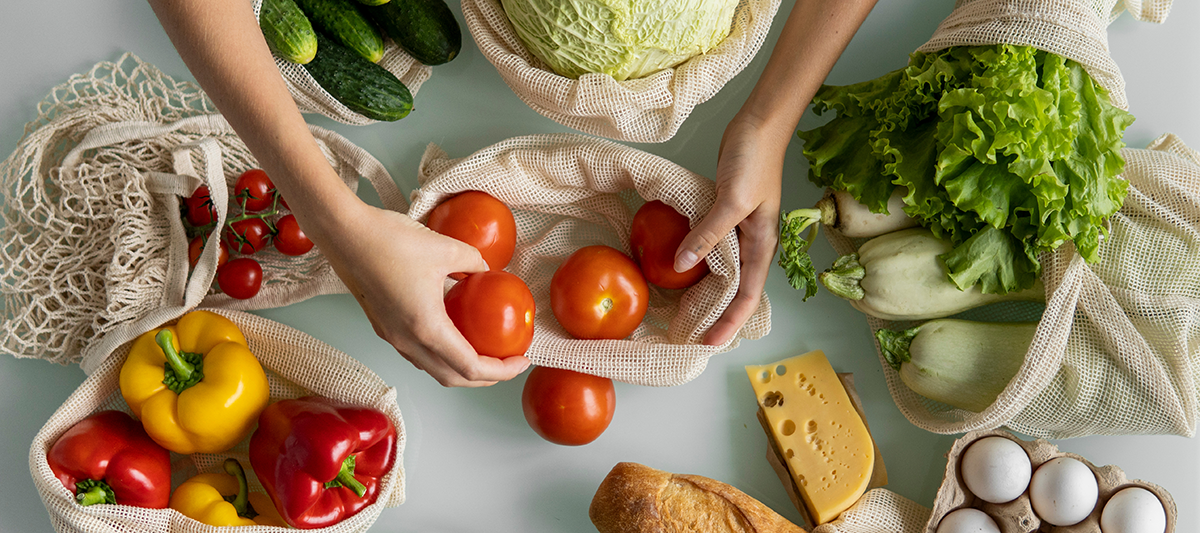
(472, 463)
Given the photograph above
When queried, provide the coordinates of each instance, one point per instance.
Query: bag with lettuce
(1002, 140)
(628, 71)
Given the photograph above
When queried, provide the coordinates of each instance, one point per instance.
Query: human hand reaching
(395, 268)
(749, 170)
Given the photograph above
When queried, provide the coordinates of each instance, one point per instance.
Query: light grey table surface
(472, 463)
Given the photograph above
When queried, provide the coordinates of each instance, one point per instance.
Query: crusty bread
(634, 498)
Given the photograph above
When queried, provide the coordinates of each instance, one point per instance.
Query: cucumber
(342, 21)
(360, 85)
(287, 31)
(426, 29)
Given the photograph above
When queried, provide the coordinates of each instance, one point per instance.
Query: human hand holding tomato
(567, 407)
(494, 311)
(599, 293)
(478, 219)
(654, 236)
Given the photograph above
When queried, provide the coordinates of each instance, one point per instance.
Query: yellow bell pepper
(220, 500)
(195, 385)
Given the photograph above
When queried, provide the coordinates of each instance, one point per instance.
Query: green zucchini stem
(895, 345)
(844, 277)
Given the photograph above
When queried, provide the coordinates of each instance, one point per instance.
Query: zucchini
(288, 32)
(958, 362)
(360, 85)
(426, 29)
(853, 219)
(342, 21)
(901, 276)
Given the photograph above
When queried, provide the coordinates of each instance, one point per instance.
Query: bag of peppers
(215, 421)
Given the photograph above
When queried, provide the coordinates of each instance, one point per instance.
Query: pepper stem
(241, 501)
(91, 492)
(183, 369)
(844, 277)
(345, 478)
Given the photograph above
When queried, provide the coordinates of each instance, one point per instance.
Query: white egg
(967, 520)
(1133, 510)
(1063, 491)
(996, 469)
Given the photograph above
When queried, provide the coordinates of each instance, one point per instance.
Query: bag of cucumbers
(358, 61)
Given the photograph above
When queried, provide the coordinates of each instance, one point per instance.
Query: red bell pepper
(320, 460)
(108, 458)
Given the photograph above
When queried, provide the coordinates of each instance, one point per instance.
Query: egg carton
(1017, 516)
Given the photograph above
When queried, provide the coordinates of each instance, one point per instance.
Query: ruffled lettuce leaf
(1008, 151)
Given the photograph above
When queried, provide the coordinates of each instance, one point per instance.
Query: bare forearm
(814, 36)
(221, 44)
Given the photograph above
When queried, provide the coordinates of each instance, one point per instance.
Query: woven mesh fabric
(649, 109)
(93, 238)
(1075, 29)
(296, 365)
(1117, 349)
(568, 191)
(311, 98)
(879, 511)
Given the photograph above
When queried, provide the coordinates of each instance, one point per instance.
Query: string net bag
(95, 250)
(1117, 346)
(568, 191)
(310, 97)
(648, 109)
(1074, 29)
(879, 511)
(296, 365)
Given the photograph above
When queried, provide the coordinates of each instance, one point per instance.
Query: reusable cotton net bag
(312, 98)
(92, 229)
(649, 109)
(296, 365)
(570, 191)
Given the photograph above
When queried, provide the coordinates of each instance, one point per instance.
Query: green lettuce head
(622, 38)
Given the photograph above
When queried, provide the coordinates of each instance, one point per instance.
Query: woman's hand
(749, 170)
(396, 269)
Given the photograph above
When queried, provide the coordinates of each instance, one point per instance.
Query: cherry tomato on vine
(240, 278)
(248, 236)
(599, 293)
(654, 236)
(257, 189)
(480, 220)
(199, 208)
(494, 311)
(567, 407)
(196, 247)
(289, 238)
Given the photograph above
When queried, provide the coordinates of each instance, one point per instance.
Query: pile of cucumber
(340, 41)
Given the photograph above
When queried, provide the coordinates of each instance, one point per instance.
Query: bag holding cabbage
(627, 71)
(1002, 139)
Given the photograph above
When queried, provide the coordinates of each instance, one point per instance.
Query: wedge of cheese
(826, 445)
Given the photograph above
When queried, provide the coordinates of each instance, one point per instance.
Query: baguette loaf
(634, 498)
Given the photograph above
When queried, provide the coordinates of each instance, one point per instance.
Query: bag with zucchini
(358, 61)
(1000, 238)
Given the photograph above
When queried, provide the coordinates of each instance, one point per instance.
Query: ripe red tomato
(199, 208)
(196, 247)
(256, 188)
(480, 220)
(289, 238)
(240, 278)
(599, 293)
(566, 407)
(494, 311)
(248, 236)
(654, 236)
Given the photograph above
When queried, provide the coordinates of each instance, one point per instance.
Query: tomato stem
(607, 304)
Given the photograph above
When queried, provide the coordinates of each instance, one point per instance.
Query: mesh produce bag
(1117, 349)
(296, 365)
(93, 238)
(311, 98)
(570, 191)
(649, 109)
(879, 511)
(1074, 29)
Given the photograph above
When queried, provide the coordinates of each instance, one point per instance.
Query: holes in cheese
(828, 450)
